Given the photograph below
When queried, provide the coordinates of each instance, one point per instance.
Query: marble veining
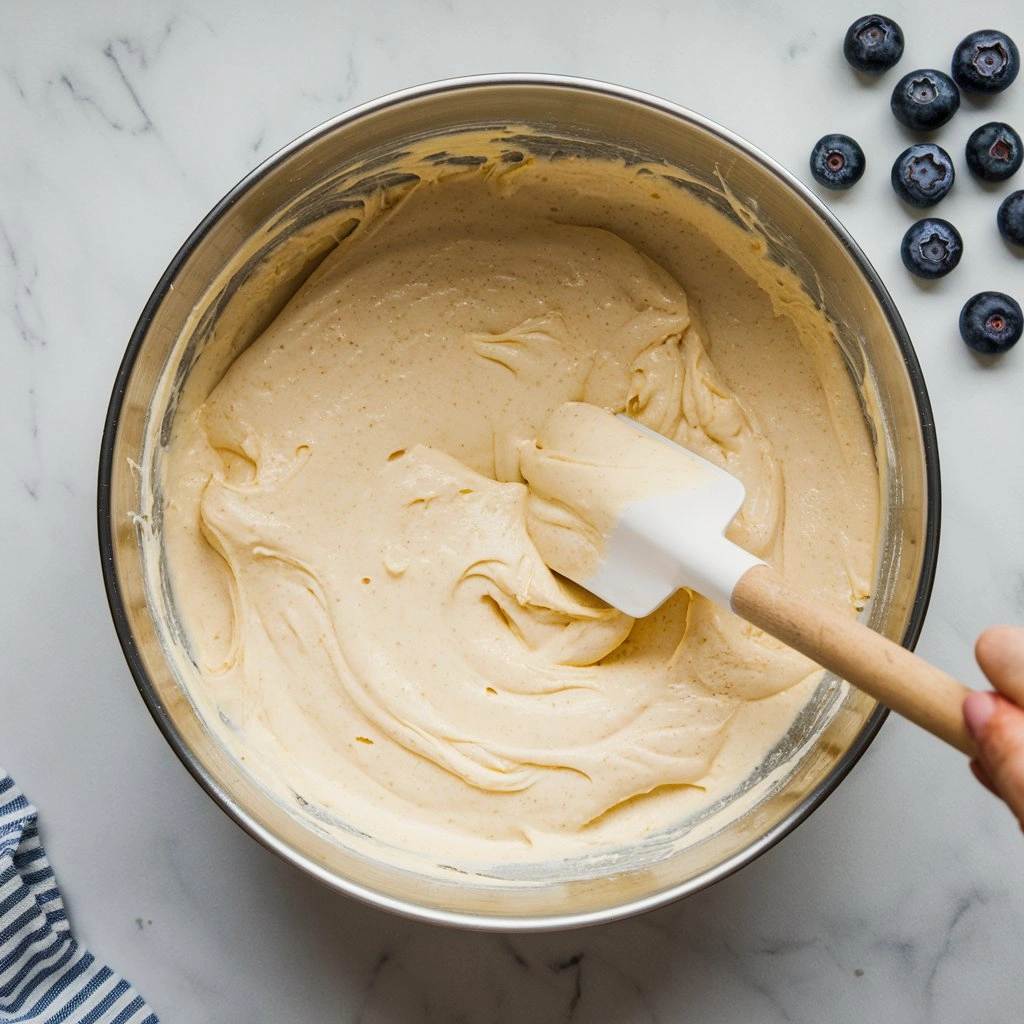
(899, 900)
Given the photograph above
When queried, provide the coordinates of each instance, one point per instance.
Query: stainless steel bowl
(252, 252)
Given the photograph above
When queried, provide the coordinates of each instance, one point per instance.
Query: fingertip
(997, 639)
(1000, 748)
(988, 640)
(978, 711)
(1000, 654)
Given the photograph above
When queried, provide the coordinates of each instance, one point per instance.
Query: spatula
(633, 517)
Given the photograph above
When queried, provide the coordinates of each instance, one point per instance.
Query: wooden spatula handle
(891, 674)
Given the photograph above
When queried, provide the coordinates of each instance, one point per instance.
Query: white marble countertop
(901, 899)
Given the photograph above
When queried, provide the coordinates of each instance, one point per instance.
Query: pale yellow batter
(346, 528)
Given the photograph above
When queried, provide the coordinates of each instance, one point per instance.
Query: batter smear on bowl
(346, 527)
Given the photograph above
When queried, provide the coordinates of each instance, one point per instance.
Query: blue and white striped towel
(45, 976)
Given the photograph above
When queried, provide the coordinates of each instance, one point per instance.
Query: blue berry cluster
(984, 62)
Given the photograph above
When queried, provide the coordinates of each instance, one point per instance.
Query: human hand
(996, 720)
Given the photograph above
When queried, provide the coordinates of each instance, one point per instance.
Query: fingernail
(978, 711)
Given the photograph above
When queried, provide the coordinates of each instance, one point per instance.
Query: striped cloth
(45, 976)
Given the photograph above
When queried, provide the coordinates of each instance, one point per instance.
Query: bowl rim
(492, 922)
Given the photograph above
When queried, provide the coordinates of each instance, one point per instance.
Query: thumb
(997, 726)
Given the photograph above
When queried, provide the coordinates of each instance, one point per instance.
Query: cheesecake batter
(346, 526)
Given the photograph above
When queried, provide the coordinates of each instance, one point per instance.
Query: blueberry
(873, 44)
(986, 61)
(837, 161)
(991, 323)
(925, 99)
(922, 174)
(931, 248)
(1010, 218)
(994, 151)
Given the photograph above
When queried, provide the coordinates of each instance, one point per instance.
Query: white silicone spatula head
(628, 514)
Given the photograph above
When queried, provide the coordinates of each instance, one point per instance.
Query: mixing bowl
(251, 254)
